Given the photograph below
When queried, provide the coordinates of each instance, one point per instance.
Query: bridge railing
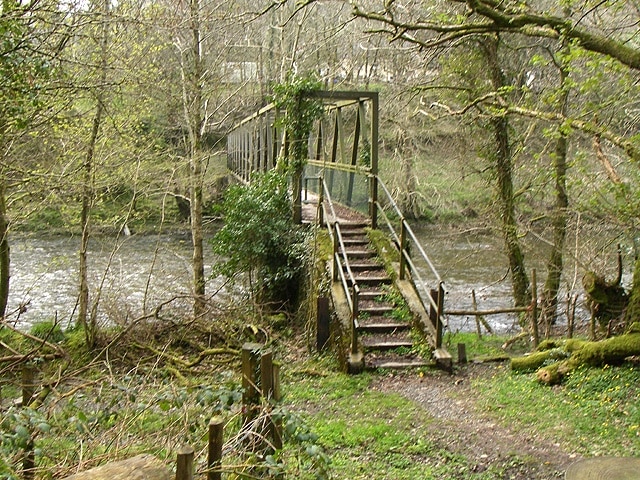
(407, 242)
(339, 257)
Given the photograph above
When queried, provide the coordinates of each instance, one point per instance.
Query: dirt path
(462, 428)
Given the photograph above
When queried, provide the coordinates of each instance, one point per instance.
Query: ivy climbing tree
(299, 110)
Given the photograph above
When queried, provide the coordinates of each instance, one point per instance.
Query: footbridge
(387, 294)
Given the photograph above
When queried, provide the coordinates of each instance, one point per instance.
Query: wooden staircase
(384, 323)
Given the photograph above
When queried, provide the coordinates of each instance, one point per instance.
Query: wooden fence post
(251, 392)
(28, 389)
(266, 374)
(28, 383)
(462, 353)
(214, 459)
(435, 314)
(403, 246)
(184, 464)
(534, 309)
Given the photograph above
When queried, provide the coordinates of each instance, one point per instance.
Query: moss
(548, 345)
(536, 359)
(549, 374)
(387, 253)
(606, 352)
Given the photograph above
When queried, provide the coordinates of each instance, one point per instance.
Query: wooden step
(371, 293)
(372, 279)
(386, 342)
(347, 225)
(359, 253)
(382, 326)
(354, 242)
(396, 363)
(376, 310)
(356, 232)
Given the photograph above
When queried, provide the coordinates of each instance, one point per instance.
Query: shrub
(260, 240)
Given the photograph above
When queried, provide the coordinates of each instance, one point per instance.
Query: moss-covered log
(611, 351)
(535, 360)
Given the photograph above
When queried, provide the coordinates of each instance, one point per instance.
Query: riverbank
(154, 387)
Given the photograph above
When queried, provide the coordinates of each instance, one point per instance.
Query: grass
(338, 426)
(370, 434)
(595, 412)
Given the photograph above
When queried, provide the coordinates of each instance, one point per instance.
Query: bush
(260, 240)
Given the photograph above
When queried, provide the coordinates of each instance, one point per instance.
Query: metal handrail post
(403, 246)
(354, 318)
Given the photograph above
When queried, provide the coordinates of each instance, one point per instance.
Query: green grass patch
(595, 412)
(486, 347)
(370, 434)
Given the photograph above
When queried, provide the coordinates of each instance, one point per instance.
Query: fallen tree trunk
(568, 355)
(611, 351)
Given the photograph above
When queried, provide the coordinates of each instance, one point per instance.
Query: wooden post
(184, 464)
(277, 396)
(534, 309)
(335, 263)
(214, 458)
(251, 392)
(28, 389)
(28, 461)
(474, 304)
(435, 314)
(323, 318)
(28, 383)
(462, 353)
(355, 298)
(320, 201)
(266, 374)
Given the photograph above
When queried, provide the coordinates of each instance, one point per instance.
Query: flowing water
(147, 270)
(135, 272)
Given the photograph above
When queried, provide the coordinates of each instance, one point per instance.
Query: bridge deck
(345, 215)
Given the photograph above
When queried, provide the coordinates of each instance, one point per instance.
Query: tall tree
(23, 70)
(87, 321)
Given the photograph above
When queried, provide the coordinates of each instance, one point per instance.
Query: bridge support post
(403, 245)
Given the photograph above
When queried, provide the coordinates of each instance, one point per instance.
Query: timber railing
(344, 275)
(406, 242)
(262, 431)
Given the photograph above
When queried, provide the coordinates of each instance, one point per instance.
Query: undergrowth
(595, 412)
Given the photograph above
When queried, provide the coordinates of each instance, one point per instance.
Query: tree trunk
(504, 170)
(88, 188)
(559, 216)
(195, 120)
(632, 314)
(5, 258)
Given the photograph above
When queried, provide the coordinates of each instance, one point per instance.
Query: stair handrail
(405, 258)
(335, 232)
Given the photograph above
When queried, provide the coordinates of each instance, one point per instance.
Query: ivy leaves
(299, 112)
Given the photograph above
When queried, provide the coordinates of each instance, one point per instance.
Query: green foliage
(299, 112)
(22, 67)
(259, 238)
(48, 330)
(595, 411)
(368, 433)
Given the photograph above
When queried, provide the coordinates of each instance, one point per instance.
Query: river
(146, 270)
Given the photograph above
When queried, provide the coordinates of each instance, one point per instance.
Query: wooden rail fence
(261, 383)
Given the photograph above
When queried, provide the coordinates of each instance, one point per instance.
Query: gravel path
(460, 426)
